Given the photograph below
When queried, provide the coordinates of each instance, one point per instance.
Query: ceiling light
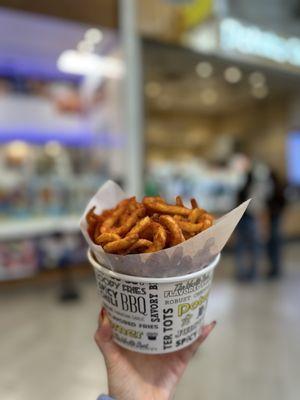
(209, 97)
(93, 35)
(153, 89)
(85, 47)
(260, 92)
(257, 79)
(204, 69)
(74, 62)
(232, 74)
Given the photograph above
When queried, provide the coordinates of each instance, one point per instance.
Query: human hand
(136, 376)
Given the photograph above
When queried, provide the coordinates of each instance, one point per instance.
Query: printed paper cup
(154, 315)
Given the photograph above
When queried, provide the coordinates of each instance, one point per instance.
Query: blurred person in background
(247, 245)
(275, 206)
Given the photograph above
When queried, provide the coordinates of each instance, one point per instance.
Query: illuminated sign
(196, 12)
(179, 2)
(251, 40)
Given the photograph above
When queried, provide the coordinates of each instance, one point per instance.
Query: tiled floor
(47, 350)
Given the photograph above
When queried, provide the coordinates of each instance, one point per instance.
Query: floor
(47, 350)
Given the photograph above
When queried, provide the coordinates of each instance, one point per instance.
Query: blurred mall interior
(164, 97)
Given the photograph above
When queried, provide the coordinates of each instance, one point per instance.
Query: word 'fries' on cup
(154, 316)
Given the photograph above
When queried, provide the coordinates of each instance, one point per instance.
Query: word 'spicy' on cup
(154, 315)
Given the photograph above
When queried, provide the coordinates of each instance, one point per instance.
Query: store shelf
(80, 270)
(21, 229)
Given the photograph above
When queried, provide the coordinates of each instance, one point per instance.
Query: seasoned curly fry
(190, 227)
(179, 201)
(131, 221)
(208, 220)
(176, 235)
(207, 223)
(140, 246)
(159, 238)
(106, 237)
(163, 208)
(195, 215)
(140, 225)
(147, 233)
(94, 230)
(91, 216)
(194, 203)
(155, 217)
(188, 235)
(101, 218)
(154, 198)
(93, 222)
(132, 205)
(132, 227)
(121, 245)
(109, 222)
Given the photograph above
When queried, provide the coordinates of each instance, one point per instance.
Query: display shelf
(46, 276)
(18, 229)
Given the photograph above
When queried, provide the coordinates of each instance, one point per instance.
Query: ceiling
(98, 12)
(171, 67)
(30, 46)
(177, 87)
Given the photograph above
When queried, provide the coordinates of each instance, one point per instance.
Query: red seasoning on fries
(152, 225)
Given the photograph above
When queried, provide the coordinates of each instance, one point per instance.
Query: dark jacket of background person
(276, 200)
(276, 203)
(247, 247)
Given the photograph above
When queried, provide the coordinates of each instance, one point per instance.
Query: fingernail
(103, 315)
(214, 323)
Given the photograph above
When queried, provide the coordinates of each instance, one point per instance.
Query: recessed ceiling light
(233, 74)
(260, 92)
(93, 35)
(74, 62)
(257, 79)
(204, 69)
(209, 96)
(153, 89)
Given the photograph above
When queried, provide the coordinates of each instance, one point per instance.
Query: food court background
(216, 83)
(168, 97)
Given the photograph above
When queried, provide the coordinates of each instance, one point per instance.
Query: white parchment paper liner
(189, 256)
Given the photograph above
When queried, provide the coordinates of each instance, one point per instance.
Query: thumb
(103, 335)
(205, 332)
(192, 349)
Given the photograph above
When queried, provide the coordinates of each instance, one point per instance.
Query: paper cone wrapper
(187, 257)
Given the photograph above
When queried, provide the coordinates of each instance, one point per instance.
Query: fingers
(204, 335)
(188, 352)
(103, 335)
(205, 332)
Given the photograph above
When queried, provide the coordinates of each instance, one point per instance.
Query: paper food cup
(154, 315)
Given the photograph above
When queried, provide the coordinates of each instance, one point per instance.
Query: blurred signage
(196, 11)
(293, 158)
(251, 40)
(168, 20)
(179, 2)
